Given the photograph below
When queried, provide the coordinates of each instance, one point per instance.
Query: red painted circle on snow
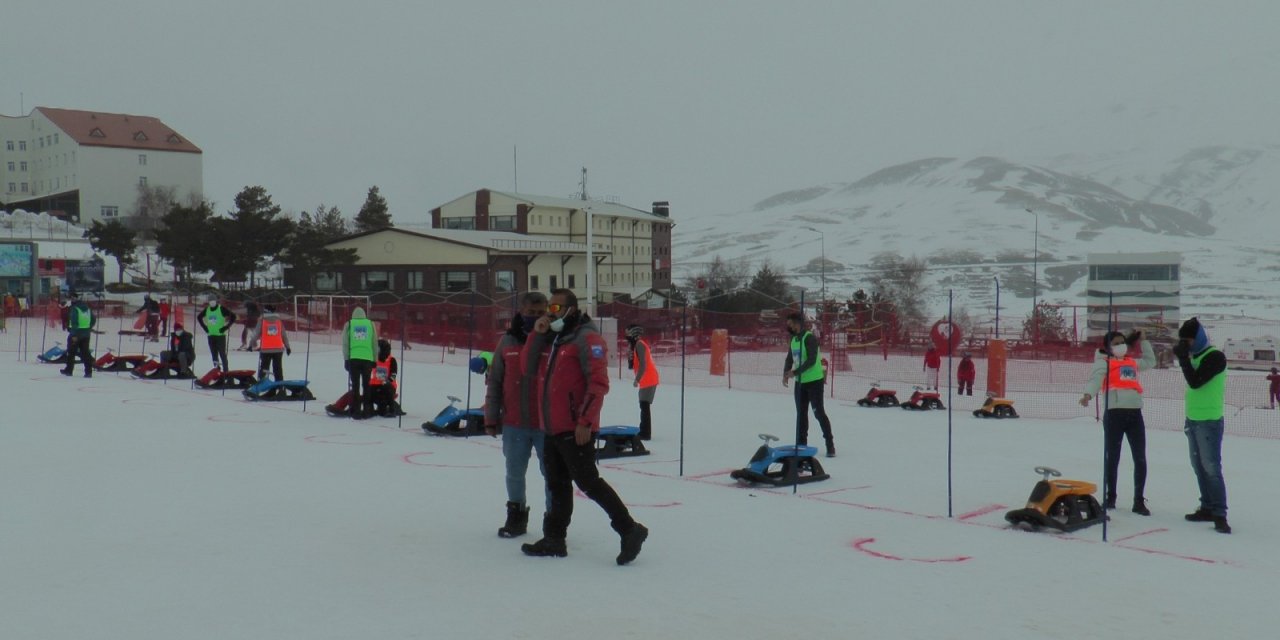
(409, 457)
(861, 545)
(326, 439)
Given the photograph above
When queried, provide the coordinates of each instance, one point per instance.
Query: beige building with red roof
(88, 165)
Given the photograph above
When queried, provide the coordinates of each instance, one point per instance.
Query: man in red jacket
(571, 364)
(932, 364)
(966, 373)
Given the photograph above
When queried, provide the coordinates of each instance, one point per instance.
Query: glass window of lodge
(457, 281)
(375, 281)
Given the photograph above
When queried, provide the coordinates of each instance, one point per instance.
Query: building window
(460, 223)
(13, 186)
(455, 281)
(12, 166)
(24, 188)
(109, 211)
(375, 281)
(8, 145)
(142, 181)
(328, 281)
(22, 145)
(1133, 272)
(504, 281)
(22, 165)
(572, 281)
(416, 280)
(553, 283)
(142, 159)
(533, 283)
(56, 138)
(502, 223)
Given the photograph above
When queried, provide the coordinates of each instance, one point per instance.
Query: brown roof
(94, 129)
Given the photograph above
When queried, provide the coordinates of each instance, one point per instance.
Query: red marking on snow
(1139, 534)
(721, 472)
(234, 419)
(324, 440)
(823, 493)
(609, 462)
(861, 545)
(980, 512)
(409, 457)
(1172, 555)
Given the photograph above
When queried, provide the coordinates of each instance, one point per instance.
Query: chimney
(662, 208)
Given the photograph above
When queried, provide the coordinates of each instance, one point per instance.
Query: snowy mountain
(968, 217)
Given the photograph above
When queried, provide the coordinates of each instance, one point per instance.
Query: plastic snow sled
(153, 369)
(994, 407)
(55, 355)
(781, 466)
(1065, 505)
(218, 379)
(112, 362)
(279, 390)
(877, 397)
(924, 400)
(619, 441)
(453, 421)
(341, 408)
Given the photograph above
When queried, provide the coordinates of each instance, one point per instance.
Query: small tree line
(235, 246)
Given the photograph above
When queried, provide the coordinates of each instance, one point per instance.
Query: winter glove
(288, 351)
(1182, 350)
(346, 364)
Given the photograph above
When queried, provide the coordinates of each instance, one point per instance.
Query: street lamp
(1035, 277)
(823, 239)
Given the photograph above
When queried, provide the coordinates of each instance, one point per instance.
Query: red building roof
(93, 129)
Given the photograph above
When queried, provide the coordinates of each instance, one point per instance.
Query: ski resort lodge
(84, 165)
(1134, 290)
(497, 243)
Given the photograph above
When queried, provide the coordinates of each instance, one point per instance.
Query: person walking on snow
(1115, 371)
(79, 325)
(251, 317)
(804, 363)
(359, 338)
(151, 324)
(216, 319)
(932, 365)
(646, 378)
(273, 344)
(510, 403)
(966, 373)
(1204, 368)
(572, 382)
(1274, 392)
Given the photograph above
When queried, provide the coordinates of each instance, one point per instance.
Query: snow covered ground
(146, 510)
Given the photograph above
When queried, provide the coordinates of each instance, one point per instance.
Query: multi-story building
(86, 165)
(1134, 290)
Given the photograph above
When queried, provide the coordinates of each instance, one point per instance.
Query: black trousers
(79, 346)
(361, 395)
(218, 349)
(565, 462)
(809, 394)
(646, 421)
(273, 360)
(966, 388)
(1117, 425)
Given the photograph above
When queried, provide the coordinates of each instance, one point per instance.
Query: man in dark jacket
(966, 373)
(181, 351)
(151, 325)
(510, 402)
(804, 363)
(1205, 369)
(216, 319)
(79, 325)
(572, 382)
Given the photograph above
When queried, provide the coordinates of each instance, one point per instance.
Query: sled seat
(112, 362)
(234, 379)
(619, 441)
(795, 451)
(279, 390)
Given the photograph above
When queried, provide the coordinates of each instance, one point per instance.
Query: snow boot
(631, 542)
(1220, 524)
(517, 521)
(546, 548)
(831, 448)
(1140, 507)
(1199, 515)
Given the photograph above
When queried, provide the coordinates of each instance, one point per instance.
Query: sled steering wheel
(768, 437)
(1048, 472)
(454, 398)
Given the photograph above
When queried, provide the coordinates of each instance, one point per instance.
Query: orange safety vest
(650, 377)
(381, 373)
(272, 336)
(1122, 373)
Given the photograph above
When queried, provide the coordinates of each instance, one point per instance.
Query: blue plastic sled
(619, 441)
(55, 355)
(279, 390)
(782, 465)
(454, 421)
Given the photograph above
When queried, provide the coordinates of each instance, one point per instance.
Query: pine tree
(373, 214)
(251, 233)
(114, 239)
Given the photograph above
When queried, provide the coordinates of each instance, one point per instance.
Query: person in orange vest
(646, 379)
(273, 344)
(382, 383)
(1116, 371)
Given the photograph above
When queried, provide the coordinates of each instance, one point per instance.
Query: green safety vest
(1206, 403)
(360, 339)
(798, 356)
(488, 358)
(81, 318)
(214, 321)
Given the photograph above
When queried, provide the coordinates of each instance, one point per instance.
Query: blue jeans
(517, 444)
(1204, 437)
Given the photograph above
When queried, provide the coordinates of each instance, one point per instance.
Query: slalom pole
(795, 484)
(306, 360)
(471, 339)
(950, 400)
(1106, 404)
(399, 383)
(120, 336)
(45, 329)
(684, 314)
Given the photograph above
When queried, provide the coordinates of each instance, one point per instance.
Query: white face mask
(1119, 350)
(557, 325)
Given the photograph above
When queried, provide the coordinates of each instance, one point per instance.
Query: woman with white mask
(1115, 370)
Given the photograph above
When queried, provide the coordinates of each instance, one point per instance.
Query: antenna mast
(583, 194)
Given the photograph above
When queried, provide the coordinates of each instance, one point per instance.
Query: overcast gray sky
(711, 105)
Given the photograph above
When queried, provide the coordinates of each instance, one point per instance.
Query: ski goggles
(554, 308)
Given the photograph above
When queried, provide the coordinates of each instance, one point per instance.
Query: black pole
(950, 400)
(45, 329)
(795, 484)
(471, 339)
(1106, 404)
(306, 360)
(684, 339)
(399, 383)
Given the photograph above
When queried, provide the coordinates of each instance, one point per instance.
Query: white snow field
(149, 511)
